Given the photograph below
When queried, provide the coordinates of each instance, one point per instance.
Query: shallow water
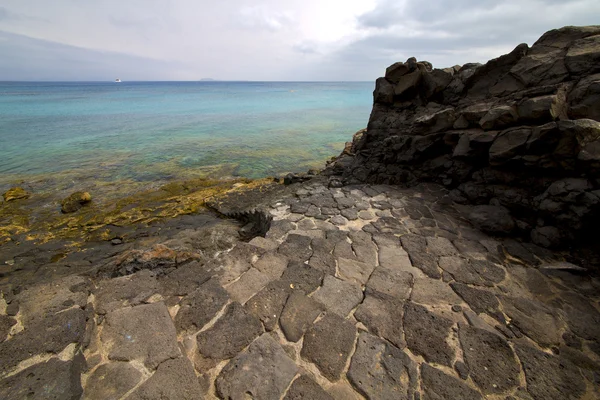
(141, 133)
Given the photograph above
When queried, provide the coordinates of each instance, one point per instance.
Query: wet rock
(383, 317)
(328, 344)
(235, 330)
(53, 379)
(174, 379)
(268, 304)
(111, 381)
(16, 193)
(439, 386)
(74, 202)
(306, 388)
(426, 334)
(145, 332)
(490, 359)
(201, 306)
(263, 371)
(298, 315)
(548, 376)
(381, 371)
(338, 296)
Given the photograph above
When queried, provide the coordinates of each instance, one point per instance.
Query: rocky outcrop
(519, 134)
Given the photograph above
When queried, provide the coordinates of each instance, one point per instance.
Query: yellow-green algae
(39, 218)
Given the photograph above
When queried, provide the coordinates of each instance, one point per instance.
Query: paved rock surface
(405, 301)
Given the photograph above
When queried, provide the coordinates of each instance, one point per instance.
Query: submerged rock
(16, 193)
(74, 202)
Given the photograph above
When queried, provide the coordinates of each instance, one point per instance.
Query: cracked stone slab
(363, 247)
(248, 285)
(263, 371)
(144, 332)
(267, 304)
(328, 344)
(460, 269)
(201, 306)
(433, 292)
(296, 248)
(111, 381)
(338, 296)
(426, 262)
(302, 277)
(550, 377)
(298, 315)
(426, 334)
(534, 319)
(383, 317)
(355, 271)
(440, 246)
(381, 371)
(582, 317)
(490, 272)
(322, 258)
(490, 359)
(125, 291)
(438, 385)
(393, 257)
(58, 330)
(396, 284)
(53, 379)
(480, 300)
(305, 388)
(174, 379)
(271, 264)
(185, 279)
(235, 330)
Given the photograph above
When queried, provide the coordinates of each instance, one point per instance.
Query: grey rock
(338, 296)
(383, 317)
(263, 371)
(296, 248)
(439, 386)
(440, 246)
(328, 344)
(426, 262)
(426, 334)
(302, 277)
(490, 359)
(548, 376)
(184, 279)
(396, 284)
(298, 315)
(174, 379)
(268, 304)
(145, 332)
(127, 290)
(480, 300)
(235, 330)
(460, 269)
(306, 388)
(433, 292)
(381, 371)
(111, 381)
(53, 379)
(462, 370)
(355, 271)
(201, 306)
(339, 220)
(350, 213)
(6, 324)
(248, 285)
(533, 318)
(271, 264)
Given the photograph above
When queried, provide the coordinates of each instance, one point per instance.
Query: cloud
(306, 47)
(261, 17)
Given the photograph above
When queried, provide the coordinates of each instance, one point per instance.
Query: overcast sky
(264, 40)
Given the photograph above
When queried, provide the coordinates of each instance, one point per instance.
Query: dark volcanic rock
(328, 344)
(440, 386)
(306, 388)
(492, 219)
(267, 304)
(111, 380)
(298, 315)
(426, 334)
(201, 306)
(174, 379)
(548, 376)
(490, 359)
(381, 371)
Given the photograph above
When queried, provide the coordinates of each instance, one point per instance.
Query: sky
(294, 40)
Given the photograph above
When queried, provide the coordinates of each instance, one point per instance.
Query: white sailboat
(117, 80)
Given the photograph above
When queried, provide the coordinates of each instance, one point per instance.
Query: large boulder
(74, 202)
(492, 219)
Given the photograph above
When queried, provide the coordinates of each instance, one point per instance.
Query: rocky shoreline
(332, 285)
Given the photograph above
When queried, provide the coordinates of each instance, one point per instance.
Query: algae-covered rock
(16, 193)
(75, 201)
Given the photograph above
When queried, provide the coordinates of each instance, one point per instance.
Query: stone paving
(357, 292)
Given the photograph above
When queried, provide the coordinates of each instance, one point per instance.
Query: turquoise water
(149, 131)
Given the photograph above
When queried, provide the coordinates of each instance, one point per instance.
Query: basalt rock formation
(519, 136)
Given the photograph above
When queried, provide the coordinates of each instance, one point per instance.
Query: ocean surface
(142, 133)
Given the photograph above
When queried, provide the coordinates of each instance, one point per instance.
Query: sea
(141, 134)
